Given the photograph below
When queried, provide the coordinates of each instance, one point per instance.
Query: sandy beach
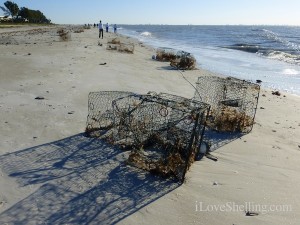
(50, 173)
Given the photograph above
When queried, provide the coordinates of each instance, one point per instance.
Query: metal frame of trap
(133, 120)
(233, 108)
(178, 59)
(233, 102)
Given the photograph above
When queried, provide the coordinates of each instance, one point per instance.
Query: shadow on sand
(219, 139)
(80, 180)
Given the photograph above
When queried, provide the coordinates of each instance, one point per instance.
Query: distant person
(100, 30)
(94, 25)
(115, 28)
(107, 27)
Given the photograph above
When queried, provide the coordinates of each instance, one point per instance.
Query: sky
(173, 12)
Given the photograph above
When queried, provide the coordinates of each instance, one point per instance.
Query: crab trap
(163, 131)
(183, 61)
(165, 54)
(233, 102)
(178, 59)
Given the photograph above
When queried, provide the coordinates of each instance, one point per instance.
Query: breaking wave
(268, 53)
(284, 55)
(146, 34)
(245, 48)
(275, 37)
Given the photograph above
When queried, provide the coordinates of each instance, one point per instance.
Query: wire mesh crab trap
(164, 131)
(233, 102)
(178, 59)
(165, 54)
(184, 61)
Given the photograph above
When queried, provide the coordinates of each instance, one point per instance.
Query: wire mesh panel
(233, 102)
(122, 134)
(164, 131)
(100, 111)
(139, 116)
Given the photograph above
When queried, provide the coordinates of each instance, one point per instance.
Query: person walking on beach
(107, 27)
(115, 28)
(100, 29)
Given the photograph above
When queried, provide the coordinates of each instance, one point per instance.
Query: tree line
(23, 14)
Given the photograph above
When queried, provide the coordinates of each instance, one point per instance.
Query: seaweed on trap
(233, 107)
(178, 59)
(163, 131)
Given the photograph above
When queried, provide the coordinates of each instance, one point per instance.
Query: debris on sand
(39, 98)
(276, 93)
(115, 41)
(251, 213)
(64, 34)
(116, 44)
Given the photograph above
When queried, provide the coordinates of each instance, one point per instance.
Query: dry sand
(50, 173)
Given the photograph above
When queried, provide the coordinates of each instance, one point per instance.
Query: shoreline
(271, 64)
(261, 167)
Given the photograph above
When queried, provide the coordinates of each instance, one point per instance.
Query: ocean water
(267, 53)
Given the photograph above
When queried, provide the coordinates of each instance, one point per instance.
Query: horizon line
(164, 24)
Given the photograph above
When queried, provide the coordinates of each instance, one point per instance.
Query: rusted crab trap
(165, 54)
(178, 59)
(233, 102)
(163, 131)
(184, 61)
